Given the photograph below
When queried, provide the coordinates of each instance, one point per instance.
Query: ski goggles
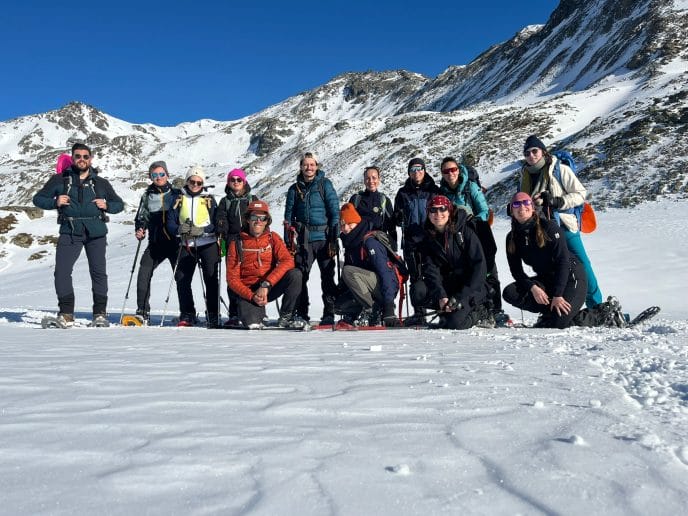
(450, 170)
(258, 218)
(415, 169)
(524, 202)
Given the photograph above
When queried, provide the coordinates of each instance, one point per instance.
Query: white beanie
(196, 170)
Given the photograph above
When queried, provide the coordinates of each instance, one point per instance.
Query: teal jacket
(81, 217)
(471, 196)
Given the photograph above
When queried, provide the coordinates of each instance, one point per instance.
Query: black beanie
(533, 141)
(416, 161)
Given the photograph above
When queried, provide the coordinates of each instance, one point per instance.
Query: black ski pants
(68, 250)
(153, 256)
(208, 256)
(289, 287)
(307, 255)
(574, 293)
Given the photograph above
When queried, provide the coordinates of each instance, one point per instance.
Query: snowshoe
(133, 320)
(62, 321)
(99, 321)
(645, 315)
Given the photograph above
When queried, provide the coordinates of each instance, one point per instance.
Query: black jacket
(454, 264)
(410, 204)
(230, 212)
(378, 209)
(551, 263)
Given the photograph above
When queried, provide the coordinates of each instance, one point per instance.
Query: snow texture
(500, 421)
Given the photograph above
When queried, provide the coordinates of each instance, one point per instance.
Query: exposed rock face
(626, 57)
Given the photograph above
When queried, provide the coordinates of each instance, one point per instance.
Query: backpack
(474, 177)
(584, 213)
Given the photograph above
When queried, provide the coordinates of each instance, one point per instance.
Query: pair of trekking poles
(221, 300)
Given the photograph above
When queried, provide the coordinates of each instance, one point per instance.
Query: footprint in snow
(401, 469)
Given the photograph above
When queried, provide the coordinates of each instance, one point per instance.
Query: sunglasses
(438, 209)
(82, 156)
(450, 170)
(258, 218)
(518, 204)
(235, 180)
(415, 169)
(532, 151)
(195, 183)
(156, 175)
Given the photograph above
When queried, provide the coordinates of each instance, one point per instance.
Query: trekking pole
(169, 289)
(131, 276)
(200, 270)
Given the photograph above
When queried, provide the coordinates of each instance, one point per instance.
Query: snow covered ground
(505, 421)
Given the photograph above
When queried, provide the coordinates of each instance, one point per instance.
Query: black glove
(332, 242)
(196, 231)
(549, 200)
(221, 227)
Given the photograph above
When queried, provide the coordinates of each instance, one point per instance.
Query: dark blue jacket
(81, 216)
(378, 209)
(410, 204)
(152, 213)
(454, 264)
(314, 205)
(365, 251)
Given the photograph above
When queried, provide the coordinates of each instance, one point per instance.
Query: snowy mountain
(605, 79)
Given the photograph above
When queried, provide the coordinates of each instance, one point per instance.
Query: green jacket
(81, 216)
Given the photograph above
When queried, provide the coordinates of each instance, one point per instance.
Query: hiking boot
(501, 319)
(417, 319)
(611, 314)
(187, 320)
(212, 321)
(391, 321)
(143, 316)
(486, 321)
(364, 318)
(65, 320)
(232, 322)
(327, 319)
(100, 321)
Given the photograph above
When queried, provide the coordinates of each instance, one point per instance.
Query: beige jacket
(570, 189)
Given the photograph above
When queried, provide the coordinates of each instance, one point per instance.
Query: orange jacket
(264, 258)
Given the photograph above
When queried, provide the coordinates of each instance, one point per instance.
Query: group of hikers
(447, 245)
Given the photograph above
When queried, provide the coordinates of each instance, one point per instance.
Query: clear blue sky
(170, 62)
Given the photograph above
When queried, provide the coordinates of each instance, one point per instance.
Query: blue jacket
(467, 193)
(81, 216)
(364, 251)
(313, 205)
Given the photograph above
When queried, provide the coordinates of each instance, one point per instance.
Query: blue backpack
(566, 158)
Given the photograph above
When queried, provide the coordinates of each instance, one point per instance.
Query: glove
(332, 242)
(549, 200)
(221, 227)
(185, 229)
(196, 231)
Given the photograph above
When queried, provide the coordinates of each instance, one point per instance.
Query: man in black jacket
(82, 199)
